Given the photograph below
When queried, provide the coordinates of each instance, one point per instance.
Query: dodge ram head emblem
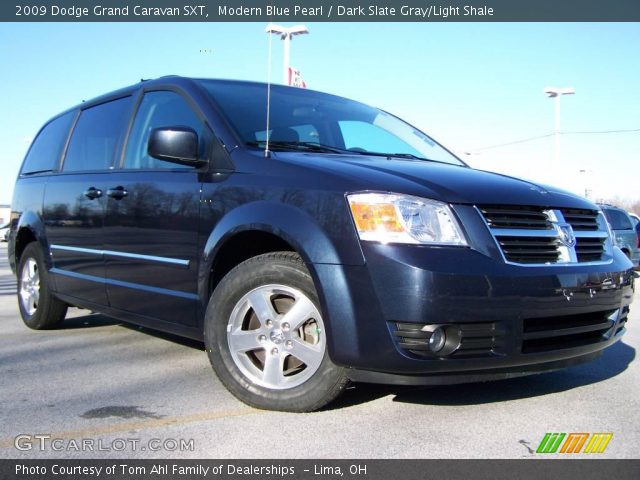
(565, 232)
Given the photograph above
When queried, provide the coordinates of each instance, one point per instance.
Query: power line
(524, 140)
(602, 131)
(531, 139)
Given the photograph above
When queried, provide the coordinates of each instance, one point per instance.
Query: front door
(151, 224)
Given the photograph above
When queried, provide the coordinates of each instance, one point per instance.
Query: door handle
(118, 192)
(92, 192)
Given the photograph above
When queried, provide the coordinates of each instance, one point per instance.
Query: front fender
(293, 225)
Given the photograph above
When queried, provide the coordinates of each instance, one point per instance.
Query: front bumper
(514, 320)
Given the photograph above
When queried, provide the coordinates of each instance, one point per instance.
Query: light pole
(587, 189)
(556, 93)
(286, 34)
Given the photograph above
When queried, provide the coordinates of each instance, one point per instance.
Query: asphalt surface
(129, 391)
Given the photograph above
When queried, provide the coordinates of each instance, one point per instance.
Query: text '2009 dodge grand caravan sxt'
(337, 243)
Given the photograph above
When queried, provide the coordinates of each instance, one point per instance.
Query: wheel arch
(263, 227)
(241, 246)
(30, 229)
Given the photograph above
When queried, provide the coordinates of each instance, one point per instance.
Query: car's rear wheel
(39, 308)
(266, 337)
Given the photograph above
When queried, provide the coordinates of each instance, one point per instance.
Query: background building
(5, 211)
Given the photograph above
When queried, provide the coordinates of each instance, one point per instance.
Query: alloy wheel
(276, 336)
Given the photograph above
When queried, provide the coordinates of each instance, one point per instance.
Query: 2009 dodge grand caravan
(331, 242)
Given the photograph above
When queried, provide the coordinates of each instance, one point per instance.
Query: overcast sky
(470, 86)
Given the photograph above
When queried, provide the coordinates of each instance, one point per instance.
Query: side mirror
(175, 144)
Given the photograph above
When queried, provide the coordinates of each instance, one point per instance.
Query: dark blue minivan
(310, 243)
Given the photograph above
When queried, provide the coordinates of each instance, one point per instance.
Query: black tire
(321, 380)
(48, 312)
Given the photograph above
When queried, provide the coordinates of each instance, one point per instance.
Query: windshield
(311, 121)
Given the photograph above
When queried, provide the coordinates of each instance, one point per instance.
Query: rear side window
(46, 149)
(618, 220)
(95, 136)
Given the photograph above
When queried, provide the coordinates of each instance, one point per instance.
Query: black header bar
(320, 11)
(120, 469)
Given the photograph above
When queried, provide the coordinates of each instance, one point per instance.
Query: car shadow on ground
(187, 342)
(87, 319)
(92, 320)
(614, 361)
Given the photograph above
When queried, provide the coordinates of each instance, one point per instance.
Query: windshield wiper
(293, 145)
(411, 156)
(398, 155)
(35, 172)
(318, 147)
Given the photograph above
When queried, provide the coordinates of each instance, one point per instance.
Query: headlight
(394, 218)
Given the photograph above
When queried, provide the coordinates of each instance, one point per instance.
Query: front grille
(581, 220)
(529, 249)
(531, 235)
(516, 216)
(476, 339)
(589, 249)
(567, 331)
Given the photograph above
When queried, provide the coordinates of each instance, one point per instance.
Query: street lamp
(587, 174)
(556, 93)
(286, 34)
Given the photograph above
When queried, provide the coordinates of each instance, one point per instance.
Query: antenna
(267, 153)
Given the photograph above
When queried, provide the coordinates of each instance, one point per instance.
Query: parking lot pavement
(128, 392)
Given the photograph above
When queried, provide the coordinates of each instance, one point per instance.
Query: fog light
(437, 340)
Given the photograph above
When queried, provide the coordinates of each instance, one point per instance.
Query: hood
(439, 181)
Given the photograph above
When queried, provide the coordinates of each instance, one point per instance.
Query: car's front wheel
(266, 337)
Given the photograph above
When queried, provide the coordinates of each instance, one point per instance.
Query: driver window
(158, 109)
